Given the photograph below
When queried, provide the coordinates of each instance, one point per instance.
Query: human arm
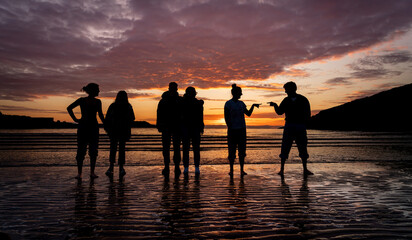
(100, 112)
(108, 120)
(278, 109)
(227, 117)
(250, 111)
(308, 112)
(132, 117)
(159, 116)
(70, 110)
(202, 124)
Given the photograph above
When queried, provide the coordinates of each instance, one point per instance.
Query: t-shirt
(296, 109)
(235, 111)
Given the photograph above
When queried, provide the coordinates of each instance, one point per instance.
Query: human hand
(256, 105)
(272, 104)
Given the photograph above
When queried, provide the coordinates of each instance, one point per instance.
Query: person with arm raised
(296, 107)
(235, 111)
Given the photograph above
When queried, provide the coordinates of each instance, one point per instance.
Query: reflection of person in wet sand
(117, 202)
(237, 210)
(297, 110)
(118, 122)
(88, 128)
(299, 203)
(180, 209)
(85, 210)
(235, 111)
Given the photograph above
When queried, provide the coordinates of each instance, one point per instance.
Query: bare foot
(122, 172)
(231, 173)
(93, 175)
(243, 173)
(280, 173)
(307, 172)
(109, 173)
(166, 171)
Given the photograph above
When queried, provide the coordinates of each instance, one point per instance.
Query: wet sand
(341, 201)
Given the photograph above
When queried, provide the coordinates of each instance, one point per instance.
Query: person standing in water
(168, 123)
(192, 128)
(88, 128)
(235, 111)
(297, 110)
(119, 118)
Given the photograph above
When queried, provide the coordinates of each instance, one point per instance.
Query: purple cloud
(373, 67)
(339, 81)
(56, 47)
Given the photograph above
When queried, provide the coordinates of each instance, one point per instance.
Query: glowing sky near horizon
(335, 51)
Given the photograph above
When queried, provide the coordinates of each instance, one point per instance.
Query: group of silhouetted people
(180, 121)
(119, 118)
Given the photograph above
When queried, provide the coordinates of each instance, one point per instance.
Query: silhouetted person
(119, 118)
(168, 123)
(192, 127)
(235, 111)
(88, 128)
(297, 110)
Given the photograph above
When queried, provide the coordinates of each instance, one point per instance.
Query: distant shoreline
(26, 122)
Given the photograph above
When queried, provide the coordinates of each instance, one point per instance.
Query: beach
(341, 201)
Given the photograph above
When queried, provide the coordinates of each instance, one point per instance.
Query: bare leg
(81, 152)
(79, 171)
(122, 172)
(282, 166)
(305, 168)
(79, 167)
(92, 167)
(242, 163)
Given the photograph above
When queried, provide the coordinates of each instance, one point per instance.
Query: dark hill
(386, 111)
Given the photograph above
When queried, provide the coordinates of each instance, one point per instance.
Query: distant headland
(25, 122)
(386, 111)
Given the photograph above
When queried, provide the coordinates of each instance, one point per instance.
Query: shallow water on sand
(57, 147)
(361, 189)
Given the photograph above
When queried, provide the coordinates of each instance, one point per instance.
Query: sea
(57, 147)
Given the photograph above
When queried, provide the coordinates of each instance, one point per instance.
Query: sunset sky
(336, 51)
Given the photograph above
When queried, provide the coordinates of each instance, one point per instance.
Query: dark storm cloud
(56, 47)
